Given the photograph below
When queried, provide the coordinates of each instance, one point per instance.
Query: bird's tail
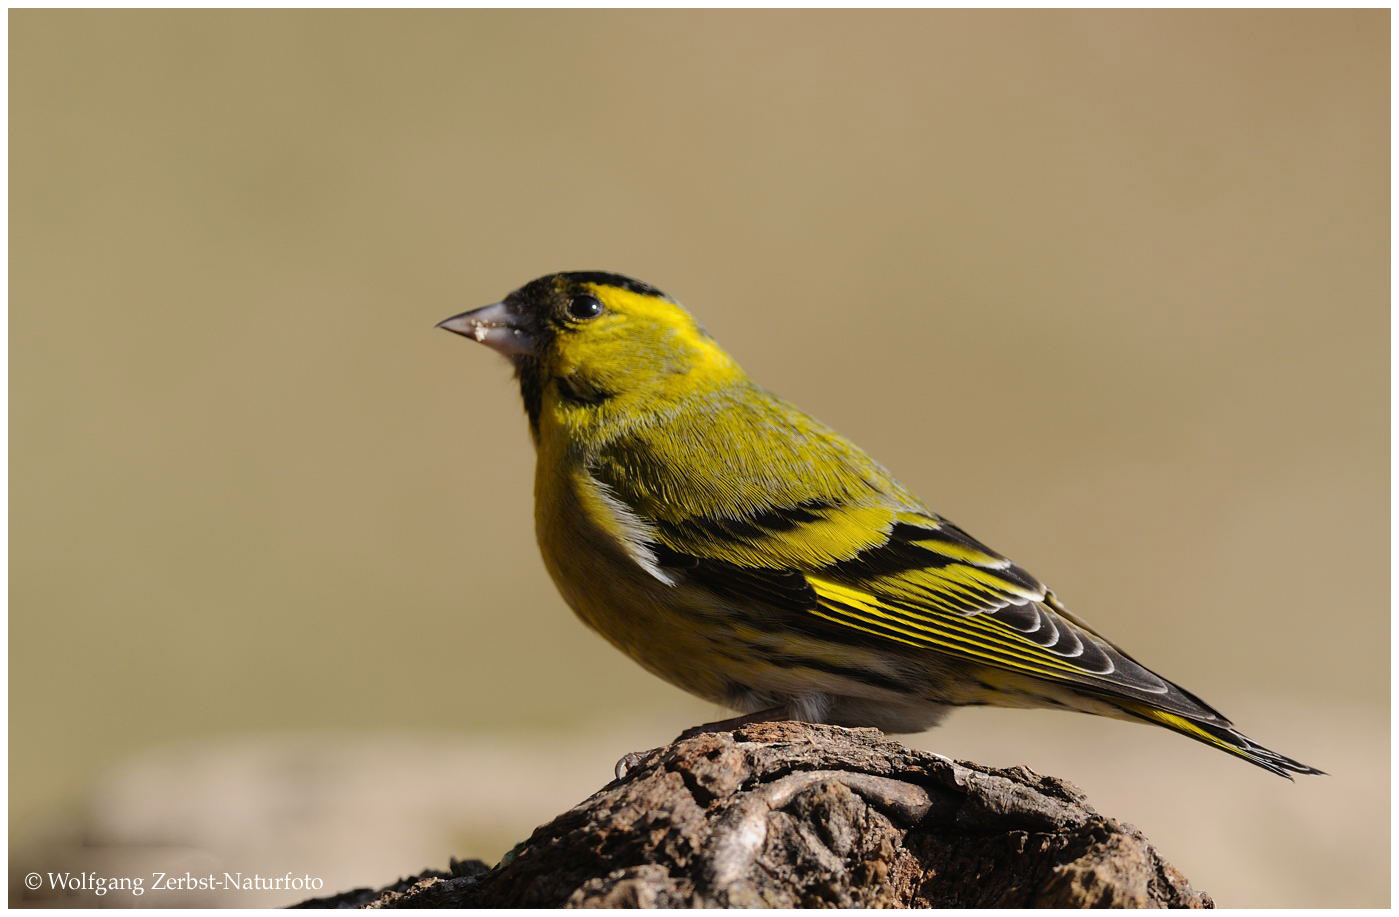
(1222, 736)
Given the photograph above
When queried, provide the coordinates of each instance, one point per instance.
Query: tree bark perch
(796, 815)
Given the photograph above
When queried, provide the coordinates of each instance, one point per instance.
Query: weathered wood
(796, 815)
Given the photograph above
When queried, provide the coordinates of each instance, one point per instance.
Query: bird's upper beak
(497, 326)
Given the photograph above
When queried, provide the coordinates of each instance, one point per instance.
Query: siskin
(750, 555)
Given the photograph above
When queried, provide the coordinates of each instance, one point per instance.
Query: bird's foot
(628, 761)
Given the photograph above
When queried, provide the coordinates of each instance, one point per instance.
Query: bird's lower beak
(497, 326)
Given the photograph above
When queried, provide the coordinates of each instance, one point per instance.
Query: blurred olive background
(1107, 288)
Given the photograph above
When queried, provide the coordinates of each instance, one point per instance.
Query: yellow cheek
(570, 352)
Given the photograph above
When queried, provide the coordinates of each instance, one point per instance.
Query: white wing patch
(634, 534)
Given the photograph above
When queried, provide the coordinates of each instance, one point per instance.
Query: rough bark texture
(795, 815)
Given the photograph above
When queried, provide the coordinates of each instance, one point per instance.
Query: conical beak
(497, 326)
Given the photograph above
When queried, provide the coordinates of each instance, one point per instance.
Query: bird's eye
(583, 307)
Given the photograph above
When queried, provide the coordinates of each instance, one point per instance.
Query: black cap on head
(614, 280)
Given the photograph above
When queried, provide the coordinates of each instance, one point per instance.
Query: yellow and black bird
(749, 554)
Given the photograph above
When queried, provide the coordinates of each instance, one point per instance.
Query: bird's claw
(627, 762)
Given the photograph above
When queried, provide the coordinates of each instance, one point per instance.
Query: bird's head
(589, 342)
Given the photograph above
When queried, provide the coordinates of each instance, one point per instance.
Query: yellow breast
(595, 551)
